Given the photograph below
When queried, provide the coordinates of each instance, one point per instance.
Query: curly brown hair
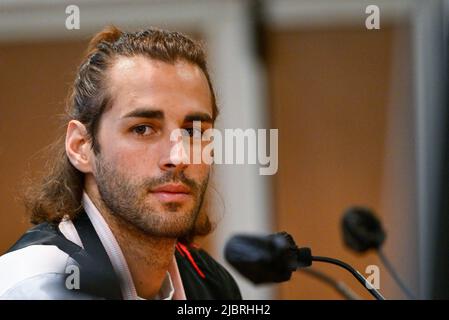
(60, 191)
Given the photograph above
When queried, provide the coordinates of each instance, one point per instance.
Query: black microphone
(273, 258)
(362, 231)
(265, 259)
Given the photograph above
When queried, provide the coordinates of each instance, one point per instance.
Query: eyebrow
(198, 116)
(145, 113)
(157, 114)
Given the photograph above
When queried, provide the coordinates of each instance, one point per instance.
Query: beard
(127, 198)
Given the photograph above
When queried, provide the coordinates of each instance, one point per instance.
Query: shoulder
(30, 263)
(210, 271)
(33, 264)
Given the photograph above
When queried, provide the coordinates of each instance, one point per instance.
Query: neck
(148, 257)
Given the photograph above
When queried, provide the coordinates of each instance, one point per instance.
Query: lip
(172, 188)
(172, 192)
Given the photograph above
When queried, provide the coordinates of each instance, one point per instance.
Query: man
(117, 213)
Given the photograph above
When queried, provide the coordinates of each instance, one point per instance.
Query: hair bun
(109, 34)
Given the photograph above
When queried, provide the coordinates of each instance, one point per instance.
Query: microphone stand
(339, 286)
(394, 275)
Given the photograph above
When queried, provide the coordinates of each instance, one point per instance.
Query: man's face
(134, 174)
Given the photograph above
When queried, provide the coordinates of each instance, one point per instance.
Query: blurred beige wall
(330, 98)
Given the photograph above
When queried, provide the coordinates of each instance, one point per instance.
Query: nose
(173, 156)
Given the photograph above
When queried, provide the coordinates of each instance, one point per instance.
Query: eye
(143, 130)
(192, 131)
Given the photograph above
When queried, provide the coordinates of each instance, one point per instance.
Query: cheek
(198, 171)
(131, 159)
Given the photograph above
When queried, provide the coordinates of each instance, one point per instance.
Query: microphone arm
(305, 258)
(374, 292)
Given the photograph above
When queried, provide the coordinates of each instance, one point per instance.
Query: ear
(78, 147)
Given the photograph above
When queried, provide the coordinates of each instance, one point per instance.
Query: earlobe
(77, 146)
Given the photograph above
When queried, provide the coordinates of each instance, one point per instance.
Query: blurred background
(362, 119)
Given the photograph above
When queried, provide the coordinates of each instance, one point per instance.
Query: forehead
(174, 88)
